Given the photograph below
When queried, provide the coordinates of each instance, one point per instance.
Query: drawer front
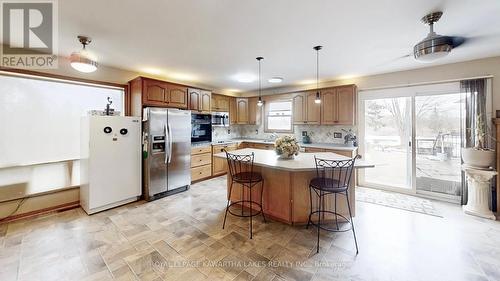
(314, 149)
(263, 146)
(201, 172)
(201, 159)
(201, 149)
(220, 147)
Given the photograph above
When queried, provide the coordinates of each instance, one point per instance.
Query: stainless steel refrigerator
(167, 151)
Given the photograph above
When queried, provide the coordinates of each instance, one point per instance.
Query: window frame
(266, 115)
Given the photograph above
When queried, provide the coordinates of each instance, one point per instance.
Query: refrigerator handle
(167, 156)
(170, 143)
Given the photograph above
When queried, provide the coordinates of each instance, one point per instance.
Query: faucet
(273, 136)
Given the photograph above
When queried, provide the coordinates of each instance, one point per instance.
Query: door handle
(166, 144)
(170, 143)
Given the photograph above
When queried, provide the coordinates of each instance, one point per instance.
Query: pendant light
(318, 97)
(260, 102)
(83, 61)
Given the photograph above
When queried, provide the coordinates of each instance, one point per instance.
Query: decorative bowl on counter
(286, 147)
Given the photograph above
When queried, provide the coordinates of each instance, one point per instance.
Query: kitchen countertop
(302, 162)
(335, 146)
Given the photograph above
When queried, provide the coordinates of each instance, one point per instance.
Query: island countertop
(301, 163)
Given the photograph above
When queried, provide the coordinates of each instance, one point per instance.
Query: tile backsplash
(317, 133)
(224, 133)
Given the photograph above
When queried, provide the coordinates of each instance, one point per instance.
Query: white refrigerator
(110, 165)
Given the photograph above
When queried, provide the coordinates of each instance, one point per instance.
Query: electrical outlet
(337, 135)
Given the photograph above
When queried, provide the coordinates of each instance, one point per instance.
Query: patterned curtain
(475, 105)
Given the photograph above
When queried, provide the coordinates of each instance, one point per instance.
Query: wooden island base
(286, 196)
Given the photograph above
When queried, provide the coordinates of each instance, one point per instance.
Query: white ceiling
(208, 42)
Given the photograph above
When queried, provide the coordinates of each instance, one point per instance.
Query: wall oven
(220, 119)
(201, 128)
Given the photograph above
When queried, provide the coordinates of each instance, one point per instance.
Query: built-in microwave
(220, 119)
(201, 128)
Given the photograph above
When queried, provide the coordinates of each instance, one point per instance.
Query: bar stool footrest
(251, 212)
(330, 229)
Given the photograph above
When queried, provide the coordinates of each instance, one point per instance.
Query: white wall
(474, 68)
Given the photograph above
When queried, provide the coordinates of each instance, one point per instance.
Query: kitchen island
(286, 184)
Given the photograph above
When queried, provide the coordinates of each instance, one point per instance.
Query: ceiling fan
(435, 46)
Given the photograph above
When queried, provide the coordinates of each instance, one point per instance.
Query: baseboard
(54, 209)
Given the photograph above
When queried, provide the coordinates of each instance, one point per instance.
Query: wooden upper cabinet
(233, 118)
(328, 103)
(299, 108)
(338, 105)
(220, 103)
(199, 100)
(313, 109)
(155, 92)
(177, 96)
(346, 105)
(223, 103)
(160, 93)
(254, 111)
(242, 111)
(205, 101)
(305, 110)
(194, 99)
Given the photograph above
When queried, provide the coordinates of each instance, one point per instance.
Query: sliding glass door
(412, 135)
(387, 135)
(438, 124)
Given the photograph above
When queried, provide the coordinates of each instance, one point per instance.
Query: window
(279, 116)
(40, 118)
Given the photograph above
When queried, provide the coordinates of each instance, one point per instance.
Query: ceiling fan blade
(458, 40)
(396, 59)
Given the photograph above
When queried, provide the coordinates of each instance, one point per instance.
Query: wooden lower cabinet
(201, 162)
(201, 159)
(266, 146)
(347, 153)
(202, 172)
(285, 195)
(219, 165)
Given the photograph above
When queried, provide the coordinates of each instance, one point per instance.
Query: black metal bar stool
(332, 177)
(241, 172)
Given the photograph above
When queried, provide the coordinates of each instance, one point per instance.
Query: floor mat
(397, 200)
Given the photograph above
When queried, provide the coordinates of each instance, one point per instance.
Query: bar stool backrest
(239, 164)
(335, 173)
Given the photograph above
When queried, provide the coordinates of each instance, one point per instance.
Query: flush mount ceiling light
(83, 61)
(318, 97)
(244, 78)
(275, 80)
(260, 102)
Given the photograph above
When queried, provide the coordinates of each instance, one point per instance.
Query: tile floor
(180, 238)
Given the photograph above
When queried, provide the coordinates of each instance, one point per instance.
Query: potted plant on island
(286, 147)
(479, 156)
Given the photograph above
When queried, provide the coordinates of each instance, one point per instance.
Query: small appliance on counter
(167, 143)
(349, 138)
(220, 119)
(201, 128)
(305, 137)
(110, 165)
